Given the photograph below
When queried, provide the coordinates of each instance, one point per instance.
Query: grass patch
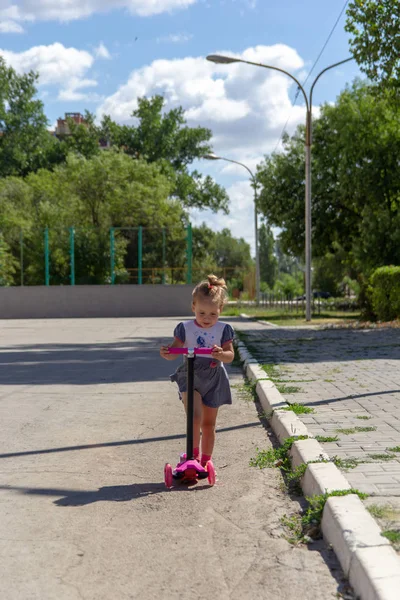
(363, 417)
(307, 526)
(379, 512)
(346, 463)
(271, 370)
(293, 480)
(394, 449)
(311, 519)
(326, 438)
(246, 391)
(288, 389)
(275, 457)
(351, 430)
(382, 456)
(295, 527)
(283, 317)
(299, 409)
(393, 535)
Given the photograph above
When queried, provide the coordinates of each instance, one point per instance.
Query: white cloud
(55, 63)
(10, 27)
(241, 217)
(65, 68)
(175, 38)
(70, 10)
(245, 107)
(102, 52)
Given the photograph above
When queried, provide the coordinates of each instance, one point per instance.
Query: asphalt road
(88, 419)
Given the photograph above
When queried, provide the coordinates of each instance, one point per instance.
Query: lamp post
(225, 60)
(254, 181)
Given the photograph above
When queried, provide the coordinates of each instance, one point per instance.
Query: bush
(385, 283)
(365, 299)
(350, 304)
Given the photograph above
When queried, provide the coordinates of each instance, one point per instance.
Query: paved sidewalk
(87, 420)
(351, 379)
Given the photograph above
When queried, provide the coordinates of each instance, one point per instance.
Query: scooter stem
(190, 404)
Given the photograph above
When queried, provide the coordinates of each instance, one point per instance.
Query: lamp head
(222, 60)
(211, 156)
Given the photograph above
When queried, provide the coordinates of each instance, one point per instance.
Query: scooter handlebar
(204, 351)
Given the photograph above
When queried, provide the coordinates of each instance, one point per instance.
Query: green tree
(281, 198)
(24, 141)
(268, 261)
(374, 26)
(164, 138)
(7, 263)
(83, 138)
(108, 190)
(231, 252)
(356, 182)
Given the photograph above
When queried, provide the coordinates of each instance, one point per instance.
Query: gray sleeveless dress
(210, 381)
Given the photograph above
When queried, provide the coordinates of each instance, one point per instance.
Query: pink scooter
(189, 469)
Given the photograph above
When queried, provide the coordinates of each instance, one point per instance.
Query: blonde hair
(213, 288)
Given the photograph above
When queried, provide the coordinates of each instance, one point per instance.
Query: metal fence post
(46, 256)
(140, 255)
(112, 255)
(72, 253)
(189, 254)
(163, 254)
(21, 255)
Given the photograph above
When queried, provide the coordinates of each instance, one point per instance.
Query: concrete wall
(42, 302)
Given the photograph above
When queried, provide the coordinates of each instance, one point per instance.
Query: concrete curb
(366, 557)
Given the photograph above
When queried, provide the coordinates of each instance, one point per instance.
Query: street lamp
(225, 60)
(254, 181)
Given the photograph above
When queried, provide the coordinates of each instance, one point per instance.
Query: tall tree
(375, 29)
(24, 139)
(92, 195)
(356, 182)
(268, 261)
(163, 137)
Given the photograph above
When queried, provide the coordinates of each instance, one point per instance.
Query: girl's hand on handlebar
(217, 352)
(164, 352)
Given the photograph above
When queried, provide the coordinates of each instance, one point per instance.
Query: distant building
(62, 128)
(62, 124)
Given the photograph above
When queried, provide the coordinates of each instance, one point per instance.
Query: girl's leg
(208, 420)
(196, 420)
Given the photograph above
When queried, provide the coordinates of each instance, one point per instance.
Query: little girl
(211, 382)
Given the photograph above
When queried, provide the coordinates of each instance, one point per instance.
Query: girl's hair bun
(214, 288)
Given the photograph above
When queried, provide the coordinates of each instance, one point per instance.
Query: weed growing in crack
(346, 463)
(382, 457)
(379, 512)
(275, 457)
(351, 430)
(326, 438)
(393, 535)
(307, 526)
(299, 409)
(288, 389)
(247, 390)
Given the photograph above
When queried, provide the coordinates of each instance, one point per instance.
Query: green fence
(89, 255)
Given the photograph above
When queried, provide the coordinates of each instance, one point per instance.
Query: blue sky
(101, 55)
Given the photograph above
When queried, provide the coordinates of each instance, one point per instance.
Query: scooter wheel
(211, 472)
(168, 475)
